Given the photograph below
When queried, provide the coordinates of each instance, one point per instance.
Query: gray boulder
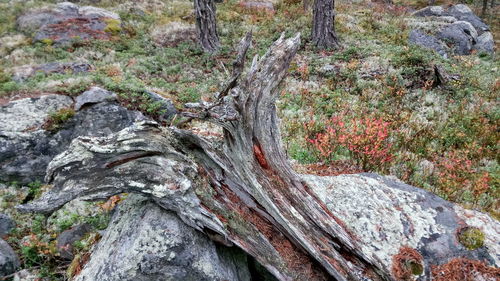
(167, 107)
(26, 149)
(386, 215)
(147, 243)
(66, 239)
(420, 38)
(485, 43)
(460, 36)
(9, 261)
(457, 27)
(6, 224)
(464, 13)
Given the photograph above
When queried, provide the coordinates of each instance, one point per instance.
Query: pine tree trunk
(323, 32)
(206, 25)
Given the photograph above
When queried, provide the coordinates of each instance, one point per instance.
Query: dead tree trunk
(241, 190)
(323, 31)
(206, 25)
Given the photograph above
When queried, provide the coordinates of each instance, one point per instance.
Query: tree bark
(241, 190)
(206, 25)
(323, 32)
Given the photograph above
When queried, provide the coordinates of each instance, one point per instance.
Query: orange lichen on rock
(462, 269)
(407, 264)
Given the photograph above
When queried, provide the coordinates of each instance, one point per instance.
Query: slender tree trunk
(206, 25)
(485, 8)
(323, 32)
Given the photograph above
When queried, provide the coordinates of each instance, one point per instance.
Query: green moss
(471, 237)
(113, 26)
(415, 267)
(58, 118)
(47, 41)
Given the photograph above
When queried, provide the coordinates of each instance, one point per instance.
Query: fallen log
(241, 190)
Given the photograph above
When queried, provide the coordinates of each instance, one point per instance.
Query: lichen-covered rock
(25, 114)
(23, 132)
(431, 11)
(485, 43)
(94, 95)
(66, 22)
(24, 72)
(387, 215)
(457, 27)
(420, 38)
(460, 36)
(9, 261)
(147, 243)
(464, 13)
(166, 107)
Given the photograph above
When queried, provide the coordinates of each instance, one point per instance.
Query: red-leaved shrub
(366, 139)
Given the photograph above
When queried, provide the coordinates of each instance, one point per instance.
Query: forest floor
(376, 92)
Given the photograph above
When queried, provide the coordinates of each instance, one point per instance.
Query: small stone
(9, 262)
(329, 69)
(94, 12)
(6, 224)
(68, 237)
(435, 11)
(94, 95)
(167, 106)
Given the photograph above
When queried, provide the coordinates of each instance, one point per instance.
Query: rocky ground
(92, 68)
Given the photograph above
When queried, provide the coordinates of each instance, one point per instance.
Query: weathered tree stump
(241, 190)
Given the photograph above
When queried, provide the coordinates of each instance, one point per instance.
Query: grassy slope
(442, 139)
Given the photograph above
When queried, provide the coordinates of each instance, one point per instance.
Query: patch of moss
(113, 26)
(471, 237)
(58, 118)
(47, 41)
(415, 267)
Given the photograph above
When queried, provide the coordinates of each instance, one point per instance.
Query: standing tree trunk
(485, 8)
(323, 32)
(306, 4)
(206, 25)
(241, 190)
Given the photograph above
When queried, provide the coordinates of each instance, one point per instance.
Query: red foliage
(406, 263)
(366, 138)
(456, 174)
(461, 269)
